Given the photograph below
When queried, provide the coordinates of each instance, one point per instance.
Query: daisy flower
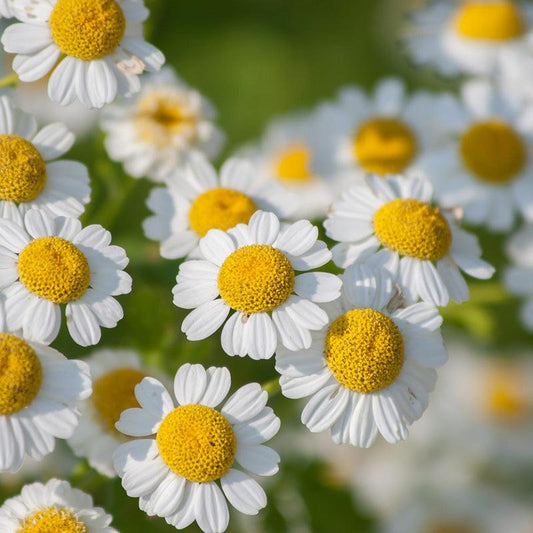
(153, 134)
(29, 176)
(187, 448)
(369, 370)
(486, 164)
(251, 270)
(46, 262)
(54, 506)
(195, 200)
(91, 47)
(39, 393)
(115, 374)
(422, 246)
(468, 36)
(384, 133)
(518, 278)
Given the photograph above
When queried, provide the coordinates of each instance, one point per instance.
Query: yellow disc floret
(493, 152)
(256, 279)
(294, 163)
(384, 146)
(52, 520)
(197, 443)
(220, 208)
(87, 29)
(364, 350)
(20, 374)
(22, 169)
(413, 228)
(491, 21)
(506, 398)
(113, 393)
(54, 269)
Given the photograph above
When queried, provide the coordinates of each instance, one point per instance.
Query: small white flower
(39, 393)
(369, 370)
(251, 269)
(54, 506)
(421, 246)
(92, 48)
(519, 277)
(28, 175)
(186, 449)
(46, 262)
(195, 200)
(153, 134)
(115, 374)
(485, 164)
(469, 36)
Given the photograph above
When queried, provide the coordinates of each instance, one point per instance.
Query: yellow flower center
(87, 29)
(113, 393)
(506, 400)
(220, 208)
(197, 443)
(294, 163)
(22, 169)
(384, 146)
(21, 374)
(54, 269)
(364, 350)
(492, 21)
(413, 228)
(160, 117)
(52, 520)
(493, 151)
(256, 279)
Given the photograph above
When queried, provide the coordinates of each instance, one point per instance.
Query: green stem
(10, 79)
(272, 387)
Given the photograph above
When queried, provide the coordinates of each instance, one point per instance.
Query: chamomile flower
(115, 374)
(46, 262)
(195, 200)
(39, 393)
(53, 506)
(486, 164)
(419, 244)
(369, 370)
(384, 133)
(190, 450)
(468, 36)
(519, 277)
(91, 47)
(251, 270)
(153, 134)
(28, 175)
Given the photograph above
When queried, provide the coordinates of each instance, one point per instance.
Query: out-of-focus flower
(251, 269)
(154, 134)
(186, 449)
(196, 199)
(6, 8)
(422, 246)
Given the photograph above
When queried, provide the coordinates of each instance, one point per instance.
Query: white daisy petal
(211, 509)
(260, 460)
(318, 286)
(324, 408)
(53, 141)
(190, 384)
(216, 246)
(245, 494)
(245, 403)
(218, 384)
(205, 320)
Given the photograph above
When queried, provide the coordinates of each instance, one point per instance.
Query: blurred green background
(255, 59)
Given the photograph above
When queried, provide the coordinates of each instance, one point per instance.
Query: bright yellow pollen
(87, 29)
(22, 169)
(21, 374)
(220, 208)
(54, 269)
(364, 350)
(197, 443)
(493, 151)
(492, 21)
(413, 228)
(52, 520)
(160, 116)
(384, 146)
(113, 393)
(256, 279)
(294, 163)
